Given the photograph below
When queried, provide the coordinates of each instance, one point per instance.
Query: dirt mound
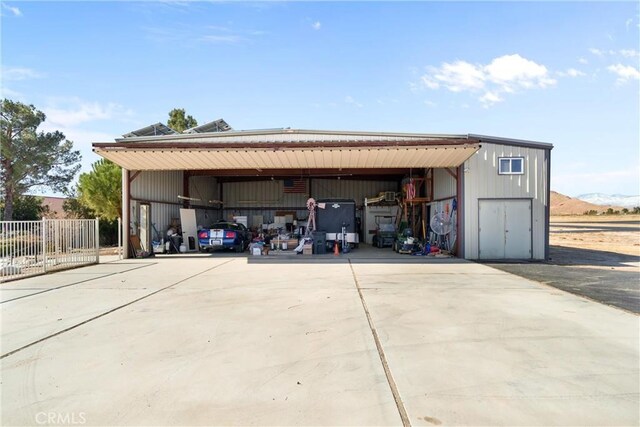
(565, 205)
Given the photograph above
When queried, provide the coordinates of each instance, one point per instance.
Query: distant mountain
(610, 199)
(565, 205)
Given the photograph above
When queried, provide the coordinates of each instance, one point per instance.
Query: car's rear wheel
(240, 247)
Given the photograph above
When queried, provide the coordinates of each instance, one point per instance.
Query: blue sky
(559, 72)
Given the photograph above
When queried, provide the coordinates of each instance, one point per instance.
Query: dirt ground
(611, 233)
(597, 257)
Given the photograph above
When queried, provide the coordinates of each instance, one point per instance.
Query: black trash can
(319, 242)
(176, 241)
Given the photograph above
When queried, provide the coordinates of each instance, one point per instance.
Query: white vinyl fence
(29, 248)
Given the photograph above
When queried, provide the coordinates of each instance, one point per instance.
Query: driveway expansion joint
(110, 311)
(383, 359)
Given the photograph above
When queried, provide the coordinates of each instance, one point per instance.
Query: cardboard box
(307, 250)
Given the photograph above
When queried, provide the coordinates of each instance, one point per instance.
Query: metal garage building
(501, 186)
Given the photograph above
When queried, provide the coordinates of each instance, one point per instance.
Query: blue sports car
(224, 235)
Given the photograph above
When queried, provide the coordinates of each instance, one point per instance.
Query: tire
(240, 248)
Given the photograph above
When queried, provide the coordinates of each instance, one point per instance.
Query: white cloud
(628, 23)
(456, 77)
(629, 53)
(428, 82)
(571, 72)
(6, 92)
(78, 119)
(514, 70)
(20, 73)
(316, 25)
(624, 72)
(596, 180)
(430, 103)
(489, 99)
(72, 112)
(583, 61)
(504, 74)
(221, 39)
(12, 9)
(210, 34)
(349, 100)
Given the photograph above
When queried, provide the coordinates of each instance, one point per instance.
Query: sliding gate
(29, 248)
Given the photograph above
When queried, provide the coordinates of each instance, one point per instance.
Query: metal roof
(295, 148)
(289, 135)
(511, 141)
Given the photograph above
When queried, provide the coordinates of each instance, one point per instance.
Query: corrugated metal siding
(351, 189)
(157, 186)
(481, 180)
(204, 188)
(444, 185)
(239, 196)
(260, 193)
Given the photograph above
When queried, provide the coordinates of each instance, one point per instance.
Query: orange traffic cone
(335, 249)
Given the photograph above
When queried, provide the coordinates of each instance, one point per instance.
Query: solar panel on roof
(215, 126)
(151, 130)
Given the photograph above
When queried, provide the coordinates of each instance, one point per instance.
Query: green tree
(27, 208)
(74, 208)
(101, 189)
(179, 121)
(625, 211)
(29, 158)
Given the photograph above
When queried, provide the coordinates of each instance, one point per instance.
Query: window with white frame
(510, 165)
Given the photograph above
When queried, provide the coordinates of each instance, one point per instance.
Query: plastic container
(183, 248)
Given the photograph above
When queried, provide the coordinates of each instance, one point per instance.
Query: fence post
(43, 233)
(119, 238)
(97, 222)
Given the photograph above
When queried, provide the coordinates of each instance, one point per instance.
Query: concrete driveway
(231, 340)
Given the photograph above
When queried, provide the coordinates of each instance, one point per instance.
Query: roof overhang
(178, 155)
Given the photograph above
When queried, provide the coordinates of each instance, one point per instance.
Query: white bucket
(183, 248)
(284, 246)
